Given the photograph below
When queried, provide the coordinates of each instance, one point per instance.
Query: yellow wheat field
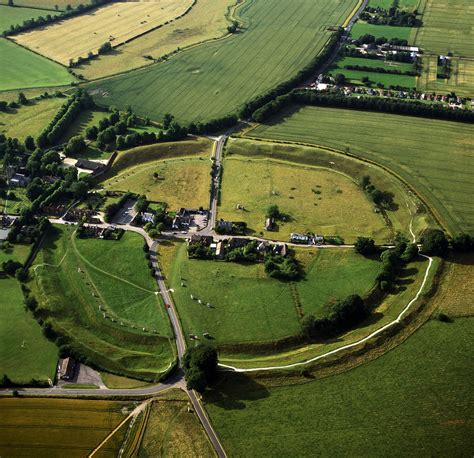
(117, 23)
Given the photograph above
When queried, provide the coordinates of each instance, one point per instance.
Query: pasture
(416, 399)
(49, 427)
(206, 21)
(115, 23)
(85, 119)
(247, 306)
(344, 168)
(12, 16)
(29, 119)
(387, 31)
(172, 431)
(447, 27)
(23, 69)
(25, 354)
(317, 200)
(435, 157)
(216, 78)
(109, 309)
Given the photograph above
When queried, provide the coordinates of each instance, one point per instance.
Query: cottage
(224, 226)
(238, 242)
(280, 249)
(67, 368)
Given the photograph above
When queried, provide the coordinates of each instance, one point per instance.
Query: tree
(200, 367)
(167, 119)
(339, 79)
(79, 190)
(273, 212)
(92, 132)
(434, 242)
(22, 100)
(30, 143)
(105, 47)
(410, 253)
(365, 246)
(462, 243)
(10, 3)
(75, 145)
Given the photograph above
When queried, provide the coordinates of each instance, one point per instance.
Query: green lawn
(29, 119)
(86, 118)
(447, 27)
(216, 78)
(415, 400)
(18, 253)
(435, 157)
(249, 307)
(78, 280)
(25, 354)
(378, 31)
(24, 69)
(13, 16)
(316, 199)
(16, 201)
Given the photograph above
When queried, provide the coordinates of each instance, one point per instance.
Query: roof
(89, 165)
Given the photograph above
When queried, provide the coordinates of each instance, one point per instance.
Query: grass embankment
(49, 427)
(316, 200)
(24, 69)
(206, 21)
(431, 155)
(112, 23)
(345, 170)
(413, 400)
(101, 295)
(182, 167)
(172, 430)
(12, 16)
(29, 119)
(217, 78)
(248, 307)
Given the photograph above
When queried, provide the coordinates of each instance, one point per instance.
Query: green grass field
(447, 27)
(414, 400)
(13, 16)
(388, 3)
(29, 119)
(85, 119)
(24, 69)
(215, 79)
(415, 148)
(101, 294)
(317, 200)
(249, 307)
(206, 21)
(355, 76)
(47, 4)
(25, 354)
(16, 200)
(317, 159)
(48, 427)
(18, 253)
(387, 31)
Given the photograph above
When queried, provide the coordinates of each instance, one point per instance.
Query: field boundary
(437, 218)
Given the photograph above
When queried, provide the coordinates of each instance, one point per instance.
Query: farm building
(67, 368)
(89, 165)
(269, 224)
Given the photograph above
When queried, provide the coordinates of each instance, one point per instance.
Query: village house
(148, 217)
(205, 240)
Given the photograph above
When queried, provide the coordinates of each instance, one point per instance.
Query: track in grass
(23, 69)
(278, 38)
(435, 157)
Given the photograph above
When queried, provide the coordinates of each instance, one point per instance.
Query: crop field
(117, 318)
(416, 399)
(387, 31)
(115, 23)
(461, 79)
(25, 354)
(29, 119)
(447, 27)
(419, 154)
(172, 431)
(206, 21)
(13, 16)
(24, 69)
(216, 78)
(344, 167)
(317, 200)
(246, 306)
(49, 427)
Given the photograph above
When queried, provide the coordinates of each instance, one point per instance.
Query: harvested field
(436, 157)
(115, 23)
(276, 40)
(206, 21)
(23, 69)
(49, 427)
